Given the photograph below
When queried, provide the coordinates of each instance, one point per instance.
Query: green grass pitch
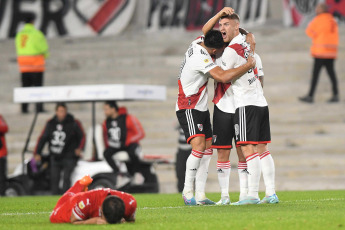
(297, 210)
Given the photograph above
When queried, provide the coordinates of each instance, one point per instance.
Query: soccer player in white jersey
(252, 126)
(191, 107)
(266, 160)
(223, 124)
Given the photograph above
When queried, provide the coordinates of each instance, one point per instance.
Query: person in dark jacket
(121, 132)
(3, 156)
(66, 139)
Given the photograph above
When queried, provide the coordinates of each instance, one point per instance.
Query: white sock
(192, 166)
(254, 170)
(268, 172)
(201, 175)
(223, 171)
(243, 177)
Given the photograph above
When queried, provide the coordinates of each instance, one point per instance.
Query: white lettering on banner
(193, 14)
(67, 17)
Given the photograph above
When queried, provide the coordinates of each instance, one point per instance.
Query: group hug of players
(240, 112)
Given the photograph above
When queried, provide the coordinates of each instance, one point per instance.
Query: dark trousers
(30, 80)
(181, 159)
(132, 149)
(318, 64)
(65, 165)
(3, 171)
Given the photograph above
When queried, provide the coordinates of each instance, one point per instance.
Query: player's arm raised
(212, 22)
(226, 76)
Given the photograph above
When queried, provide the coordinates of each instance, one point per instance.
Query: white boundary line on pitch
(176, 207)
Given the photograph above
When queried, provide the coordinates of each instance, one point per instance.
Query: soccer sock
(268, 172)
(243, 177)
(254, 173)
(201, 175)
(223, 171)
(192, 166)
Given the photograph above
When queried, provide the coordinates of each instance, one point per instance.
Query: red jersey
(86, 205)
(3, 130)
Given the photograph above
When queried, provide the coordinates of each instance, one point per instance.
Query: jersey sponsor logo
(195, 169)
(212, 64)
(81, 205)
(251, 80)
(223, 63)
(214, 138)
(190, 52)
(200, 127)
(202, 52)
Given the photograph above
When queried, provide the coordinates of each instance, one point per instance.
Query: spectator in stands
(3, 156)
(32, 50)
(66, 139)
(182, 155)
(323, 30)
(121, 132)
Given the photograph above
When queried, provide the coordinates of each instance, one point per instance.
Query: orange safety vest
(32, 49)
(323, 30)
(31, 63)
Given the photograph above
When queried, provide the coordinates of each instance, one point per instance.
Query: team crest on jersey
(214, 138)
(200, 127)
(81, 205)
(206, 60)
(237, 130)
(114, 123)
(59, 127)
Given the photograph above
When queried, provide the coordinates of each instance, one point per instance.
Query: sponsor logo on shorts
(237, 130)
(214, 138)
(200, 127)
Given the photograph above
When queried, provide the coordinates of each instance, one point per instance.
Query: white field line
(176, 207)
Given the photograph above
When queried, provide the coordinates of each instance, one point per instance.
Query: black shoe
(307, 99)
(334, 99)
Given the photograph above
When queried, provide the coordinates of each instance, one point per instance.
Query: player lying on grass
(101, 206)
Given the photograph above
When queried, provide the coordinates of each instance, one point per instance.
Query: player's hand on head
(226, 11)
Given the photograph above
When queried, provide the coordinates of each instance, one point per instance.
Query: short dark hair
(233, 16)
(113, 209)
(214, 39)
(112, 104)
(29, 18)
(60, 104)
